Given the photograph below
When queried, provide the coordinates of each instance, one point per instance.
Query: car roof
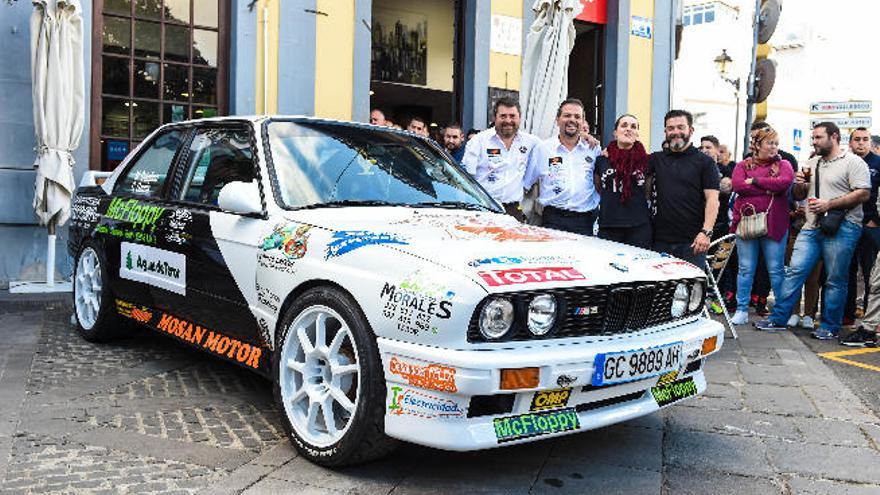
(258, 119)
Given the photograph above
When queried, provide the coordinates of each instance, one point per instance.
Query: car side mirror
(241, 197)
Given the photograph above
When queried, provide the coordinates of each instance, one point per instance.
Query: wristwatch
(707, 232)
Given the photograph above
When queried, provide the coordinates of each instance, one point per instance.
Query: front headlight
(680, 300)
(696, 297)
(496, 318)
(542, 314)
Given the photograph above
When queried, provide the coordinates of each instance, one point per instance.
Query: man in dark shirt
(684, 192)
(869, 243)
(725, 164)
(453, 141)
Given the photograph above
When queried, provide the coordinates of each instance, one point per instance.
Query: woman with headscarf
(620, 179)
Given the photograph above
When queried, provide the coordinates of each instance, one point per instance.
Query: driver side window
(216, 158)
(147, 175)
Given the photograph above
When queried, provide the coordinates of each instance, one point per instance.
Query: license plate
(619, 367)
(674, 391)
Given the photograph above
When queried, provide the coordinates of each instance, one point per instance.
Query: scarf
(625, 163)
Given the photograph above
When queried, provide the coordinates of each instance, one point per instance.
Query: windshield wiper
(453, 205)
(349, 202)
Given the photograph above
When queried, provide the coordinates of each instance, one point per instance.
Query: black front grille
(593, 311)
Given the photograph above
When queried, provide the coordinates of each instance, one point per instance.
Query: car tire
(326, 355)
(96, 320)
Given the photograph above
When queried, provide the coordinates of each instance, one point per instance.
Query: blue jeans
(836, 253)
(774, 255)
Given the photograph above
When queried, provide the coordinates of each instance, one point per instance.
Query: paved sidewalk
(147, 416)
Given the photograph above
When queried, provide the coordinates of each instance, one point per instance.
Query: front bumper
(433, 392)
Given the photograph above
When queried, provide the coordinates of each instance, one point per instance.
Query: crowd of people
(806, 233)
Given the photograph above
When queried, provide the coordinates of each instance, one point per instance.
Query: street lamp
(723, 63)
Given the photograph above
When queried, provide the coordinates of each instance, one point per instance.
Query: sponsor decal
(290, 239)
(177, 226)
(431, 376)
(651, 255)
(566, 380)
(141, 314)
(619, 267)
(535, 424)
(346, 241)
(84, 211)
(667, 393)
(672, 267)
(268, 298)
(143, 182)
(265, 334)
(127, 234)
(213, 342)
(415, 303)
(493, 151)
(515, 276)
(555, 160)
(518, 260)
(152, 266)
(550, 399)
(204, 338)
(421, 404)
(523, 149)
(142, 217)
(668, 377)
(523, 233)
(585, 310)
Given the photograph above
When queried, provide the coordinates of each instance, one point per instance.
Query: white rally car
(381, 289)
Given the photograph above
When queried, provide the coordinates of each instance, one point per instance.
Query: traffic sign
(844, 122)
(841, 107)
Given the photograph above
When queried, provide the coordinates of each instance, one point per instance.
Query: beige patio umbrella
(59, 98)
(545, 75)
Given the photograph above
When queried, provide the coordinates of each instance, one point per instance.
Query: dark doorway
(585, 73)
(404, 50)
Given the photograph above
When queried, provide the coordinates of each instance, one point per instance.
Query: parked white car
(381, 289)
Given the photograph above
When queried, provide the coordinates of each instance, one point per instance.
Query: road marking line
(837, 356)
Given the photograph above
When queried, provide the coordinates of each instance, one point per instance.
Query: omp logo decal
(530, 275)
(153, 266)
(415, 403)
(346, 241)
(550, 399)
(535, 424)
(211, 341)
(432, 376)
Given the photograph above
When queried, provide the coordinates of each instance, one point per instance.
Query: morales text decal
(415, 303)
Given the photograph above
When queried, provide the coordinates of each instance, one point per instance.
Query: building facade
(150, 62)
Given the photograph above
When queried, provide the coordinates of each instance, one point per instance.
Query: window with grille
(159, 61)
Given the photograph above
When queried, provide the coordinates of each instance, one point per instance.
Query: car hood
(495, 250)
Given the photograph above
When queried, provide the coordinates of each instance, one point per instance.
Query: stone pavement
(147, 416)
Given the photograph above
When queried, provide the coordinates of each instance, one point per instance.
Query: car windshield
(320, 164)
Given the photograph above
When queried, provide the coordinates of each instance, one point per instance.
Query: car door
(132, 225)
(220, 246)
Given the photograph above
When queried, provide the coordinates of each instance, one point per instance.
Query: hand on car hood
(497, 251)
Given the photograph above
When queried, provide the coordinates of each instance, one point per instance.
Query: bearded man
(684, 192)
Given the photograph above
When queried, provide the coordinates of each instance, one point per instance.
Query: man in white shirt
(564, 166)
(497, 157)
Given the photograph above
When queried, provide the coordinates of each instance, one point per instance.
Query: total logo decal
(515, 276)
(431, 376)
(153, 266)
(417, 403)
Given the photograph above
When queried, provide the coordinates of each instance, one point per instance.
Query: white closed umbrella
(545, 65)
(545, 75)
(59, 99)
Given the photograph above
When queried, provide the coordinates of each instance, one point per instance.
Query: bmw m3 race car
(380, 288)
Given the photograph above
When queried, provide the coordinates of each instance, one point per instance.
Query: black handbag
(830, 221)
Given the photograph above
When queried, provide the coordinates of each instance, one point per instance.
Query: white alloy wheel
(319, 376)
(88, 288)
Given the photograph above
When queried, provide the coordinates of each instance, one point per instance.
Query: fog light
(709, 345)
(517, 378)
